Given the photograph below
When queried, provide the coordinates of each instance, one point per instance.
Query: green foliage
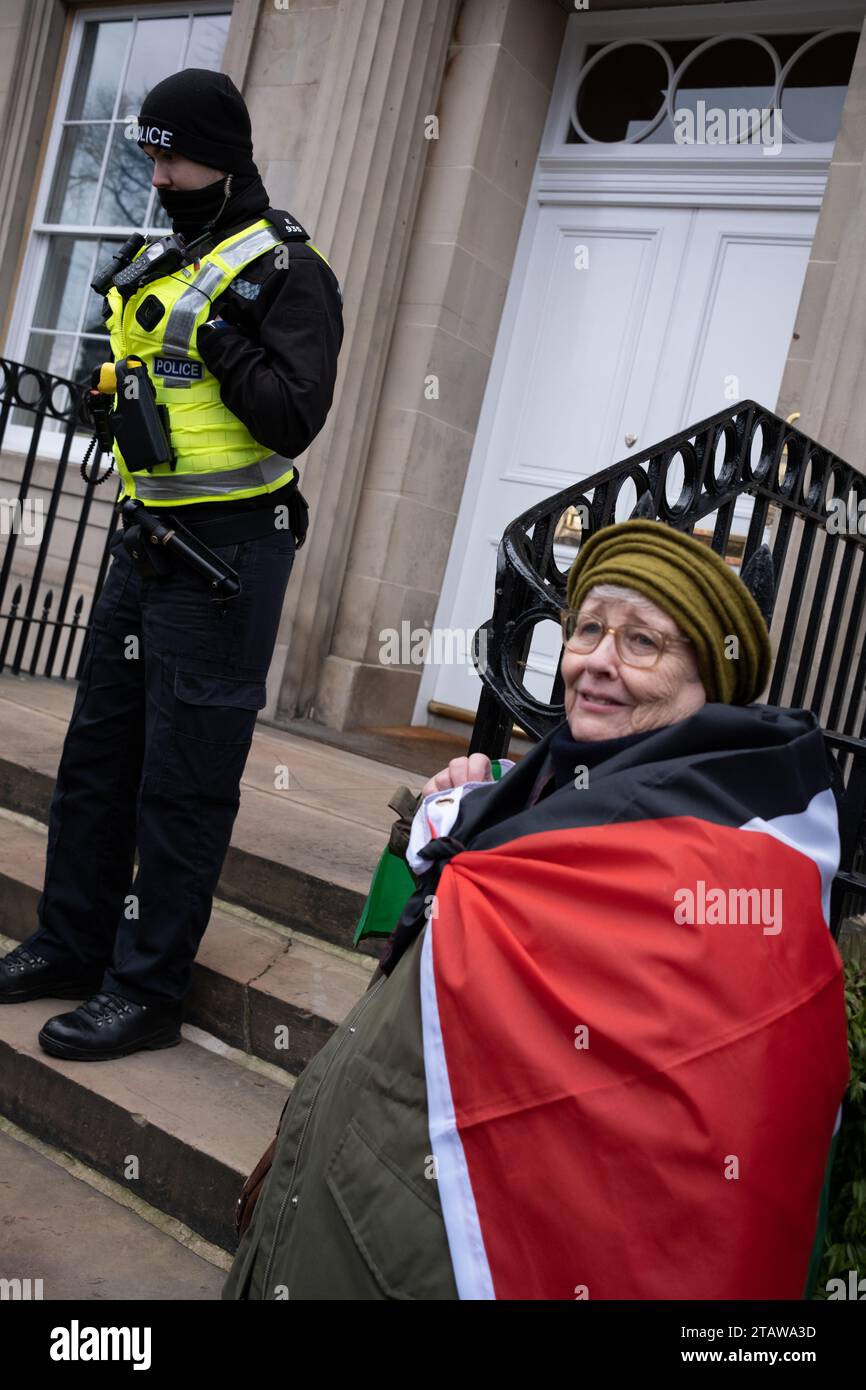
(845, 1240)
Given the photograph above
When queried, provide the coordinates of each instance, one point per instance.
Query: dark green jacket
(350, 1208)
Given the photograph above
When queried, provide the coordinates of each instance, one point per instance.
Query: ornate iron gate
(811, 501)
(30, 398)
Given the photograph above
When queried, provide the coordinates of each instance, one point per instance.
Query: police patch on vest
(178, 369)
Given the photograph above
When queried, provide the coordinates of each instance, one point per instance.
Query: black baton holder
(155, 548)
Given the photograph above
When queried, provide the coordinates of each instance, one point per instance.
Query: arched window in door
(735, 89)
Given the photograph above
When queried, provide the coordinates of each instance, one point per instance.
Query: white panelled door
(630, 321)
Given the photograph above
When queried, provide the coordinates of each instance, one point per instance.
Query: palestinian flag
(633, 1023)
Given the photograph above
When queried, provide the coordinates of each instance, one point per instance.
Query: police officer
(241, 347)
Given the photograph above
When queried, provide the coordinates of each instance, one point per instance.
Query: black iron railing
(800, 493)
(33, 628)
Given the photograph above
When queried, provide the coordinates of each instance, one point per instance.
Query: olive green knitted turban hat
(695, 587)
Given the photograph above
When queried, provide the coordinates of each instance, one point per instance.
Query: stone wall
(31, 45)
(284, 69)
(357, 174)
(825, 373)
(11, 19)
(491, 111)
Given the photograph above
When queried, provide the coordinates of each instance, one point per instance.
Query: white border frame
(675, 175)
(17, 437)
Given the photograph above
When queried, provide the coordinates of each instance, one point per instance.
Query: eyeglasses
(636, 645)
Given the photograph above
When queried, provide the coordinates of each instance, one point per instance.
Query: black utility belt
(156, 541)
(228, 530)
(247, 525)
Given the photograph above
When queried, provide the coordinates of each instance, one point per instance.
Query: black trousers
(153, 757)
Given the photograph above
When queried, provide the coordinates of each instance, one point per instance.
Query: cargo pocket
(398, 1230)
(214, 717)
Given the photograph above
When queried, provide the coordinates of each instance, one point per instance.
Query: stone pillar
(825, 371)
(357, 193)
(239, 40)
(825, 374)
(31, 40)
(491, 112)
(287, 54)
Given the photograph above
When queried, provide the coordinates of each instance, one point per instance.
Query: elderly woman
(608, 1046)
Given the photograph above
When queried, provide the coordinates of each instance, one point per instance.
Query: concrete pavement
(82, 1244)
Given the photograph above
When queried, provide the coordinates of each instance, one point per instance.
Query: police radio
(136, 422)
(128, 271)
(104, 277)
(140, 426)
(161, 257)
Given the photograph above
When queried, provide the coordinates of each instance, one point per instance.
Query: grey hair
(618, 591)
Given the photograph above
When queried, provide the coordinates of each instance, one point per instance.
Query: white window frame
(17, 437)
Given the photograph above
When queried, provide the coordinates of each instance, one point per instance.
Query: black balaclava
(201, 114)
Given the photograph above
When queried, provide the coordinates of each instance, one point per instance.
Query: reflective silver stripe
(248, 247)
(181, 320)
(173, 385)
(178, 329)
(170, 487)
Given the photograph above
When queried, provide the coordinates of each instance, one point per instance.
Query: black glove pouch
(299, 516)
(151, 561)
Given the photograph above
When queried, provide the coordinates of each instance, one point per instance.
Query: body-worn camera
(138, 424)
(104, 277)
(159, 258)
(128, 270)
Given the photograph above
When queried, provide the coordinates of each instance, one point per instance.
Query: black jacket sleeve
(276, 362)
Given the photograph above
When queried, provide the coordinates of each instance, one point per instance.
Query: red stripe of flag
(605, 1166)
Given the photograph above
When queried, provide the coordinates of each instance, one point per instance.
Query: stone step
(182, 1128)
(69, 1233)
(273, 976)
(257, 985)
(312, 824)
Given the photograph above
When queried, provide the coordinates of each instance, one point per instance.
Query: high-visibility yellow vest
(218, 459)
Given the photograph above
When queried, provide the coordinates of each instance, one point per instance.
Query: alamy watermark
(846, 519)
(20, 1290)
(23, 519)
(854, 1289)
(737, 125)
(77, 1343)
(729, 907)
(442, 646)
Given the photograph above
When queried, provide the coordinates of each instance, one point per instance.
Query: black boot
(108, 1026)
(24, 974)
